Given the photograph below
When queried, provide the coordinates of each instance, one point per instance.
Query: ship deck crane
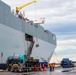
(20, 7)
(40, 21)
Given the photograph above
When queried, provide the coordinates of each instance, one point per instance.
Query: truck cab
(16, 61)
(19, 62)
(66, 63)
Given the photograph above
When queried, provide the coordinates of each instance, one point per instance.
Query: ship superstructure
(15, 36)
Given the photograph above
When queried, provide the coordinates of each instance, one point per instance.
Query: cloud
(66, 44)
(61, 18)
(66, 47)
(66, 12)
(62, 29)
(58, 59)
(53, 11)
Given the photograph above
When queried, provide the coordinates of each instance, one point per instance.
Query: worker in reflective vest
(44, 67)
(35, 67)
(40, 67)
(50, 65)
(53, 66)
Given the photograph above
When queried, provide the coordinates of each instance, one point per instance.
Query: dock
(57, 71)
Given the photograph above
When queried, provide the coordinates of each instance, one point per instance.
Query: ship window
(46, 31)
(31, 23)
(36, 26)
(28, 37)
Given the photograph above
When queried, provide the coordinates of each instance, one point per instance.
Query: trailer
(19, 62)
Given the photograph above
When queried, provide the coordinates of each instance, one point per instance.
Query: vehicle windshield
(14, 61)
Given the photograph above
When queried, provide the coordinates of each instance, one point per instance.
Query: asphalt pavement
(57, 71)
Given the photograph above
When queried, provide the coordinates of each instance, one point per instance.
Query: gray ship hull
(13, 41)
(12, 36)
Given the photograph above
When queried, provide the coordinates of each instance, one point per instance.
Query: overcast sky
(60, 18)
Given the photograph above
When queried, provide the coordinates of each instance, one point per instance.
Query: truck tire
(27, 70)
(9, 69)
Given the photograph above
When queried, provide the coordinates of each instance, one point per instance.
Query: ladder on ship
(29, 39)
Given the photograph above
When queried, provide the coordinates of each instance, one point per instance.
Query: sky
(60, 19)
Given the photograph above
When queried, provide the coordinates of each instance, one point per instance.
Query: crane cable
(35, 8)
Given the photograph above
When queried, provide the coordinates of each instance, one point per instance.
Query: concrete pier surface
(57, 71)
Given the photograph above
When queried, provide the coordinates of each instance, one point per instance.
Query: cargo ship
(20, 36)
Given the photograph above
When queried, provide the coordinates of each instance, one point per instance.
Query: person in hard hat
(44, 67)
(53, 66)
(50, 65)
